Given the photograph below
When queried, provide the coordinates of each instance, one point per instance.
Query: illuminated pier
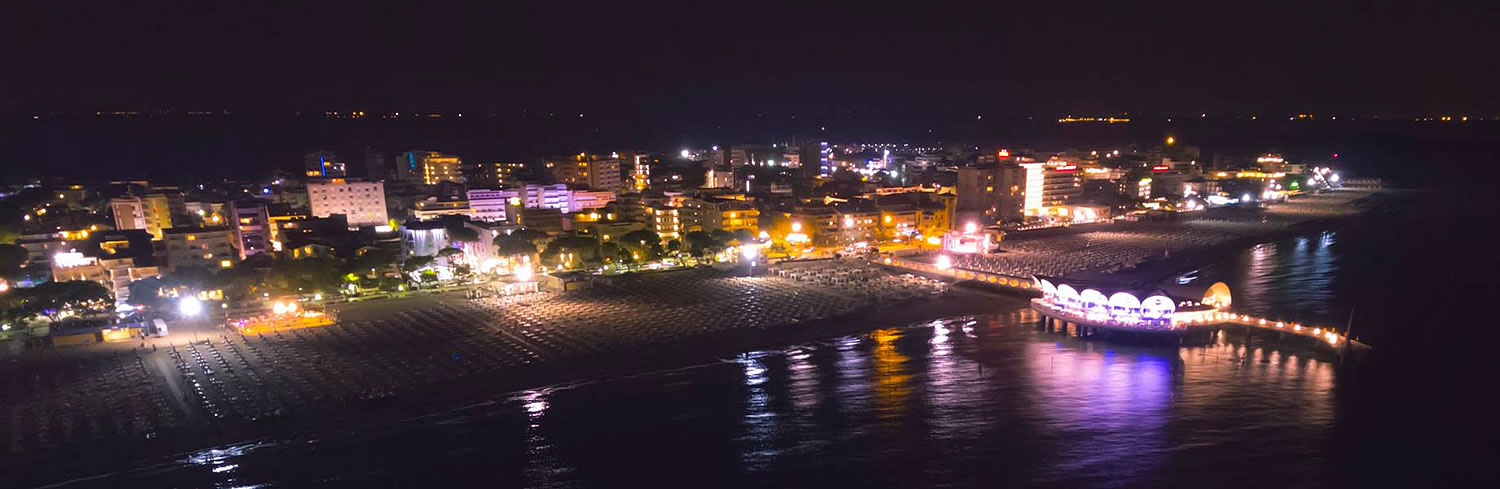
(1092, 309)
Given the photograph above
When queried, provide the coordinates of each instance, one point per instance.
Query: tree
(463, 234)
(579, 248)
(612, 251)
(698, 243)
(54, 298)
(146, 292)
(448, 254)
(642, 238)
(372, 258)
(417, 263)
(308, 275)
(644, 245)
(531, 235)
(512, 245)
(674, 246)
(12, 257)
(744, 235)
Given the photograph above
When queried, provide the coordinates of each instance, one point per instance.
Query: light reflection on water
(1292, 279)
(965, 401)
(924, 405)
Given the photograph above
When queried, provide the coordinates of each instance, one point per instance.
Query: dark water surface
(977, 401)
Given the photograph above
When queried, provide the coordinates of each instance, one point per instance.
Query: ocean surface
(970, 401)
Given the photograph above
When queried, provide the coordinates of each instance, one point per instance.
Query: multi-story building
(996, 192)
(206, 248)
(813, 158)
(640, 173)
(729, 215)
(593, 171)
(716, 177)
(579, 200)
(112, 259)
(818, 223)
(433, 208)
(665, 220)
(375, 168)
(363, 203)
(423, 238)
(252, 228)
(495, 174)
(1060, 184)
(550, 221)
(493, 205)
(323, 164)
(114, 273)
(429, 167)
(486, 205)
(739, 156)
(150, 213)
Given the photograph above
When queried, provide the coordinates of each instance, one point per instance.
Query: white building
(588, 199)
(149, 213)
(362, 202)
(488, 205)
(425, 238)
(718, 178)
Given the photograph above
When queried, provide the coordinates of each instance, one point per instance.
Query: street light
(189, 306)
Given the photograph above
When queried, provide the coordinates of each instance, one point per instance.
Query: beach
(401, 359)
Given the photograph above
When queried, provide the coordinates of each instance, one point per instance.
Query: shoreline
(170, 447)
(345, 417)
(1161, 269)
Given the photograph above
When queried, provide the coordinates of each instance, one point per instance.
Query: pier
(1163, 315)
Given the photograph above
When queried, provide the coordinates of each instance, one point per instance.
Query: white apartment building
(362, 202)
(488, 205)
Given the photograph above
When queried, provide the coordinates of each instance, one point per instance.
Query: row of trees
(635, 247)
(54, 300)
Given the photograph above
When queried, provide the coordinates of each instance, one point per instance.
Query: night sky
(553, 78)
(708, 60)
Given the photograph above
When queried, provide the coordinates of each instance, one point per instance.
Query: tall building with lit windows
(324, 164)
(150, 213)
(585, 170)
(495, 174)
(252, 228)
(363, 203)
(429, 167)
(665, 220)
(201, 248)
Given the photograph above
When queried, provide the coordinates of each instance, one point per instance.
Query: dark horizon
(825, 64)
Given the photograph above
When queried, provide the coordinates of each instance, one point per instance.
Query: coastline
(1156, 270)
(179, 443)
(346, 417)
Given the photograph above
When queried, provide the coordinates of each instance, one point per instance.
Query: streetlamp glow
(189, 306)
(943, 262)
